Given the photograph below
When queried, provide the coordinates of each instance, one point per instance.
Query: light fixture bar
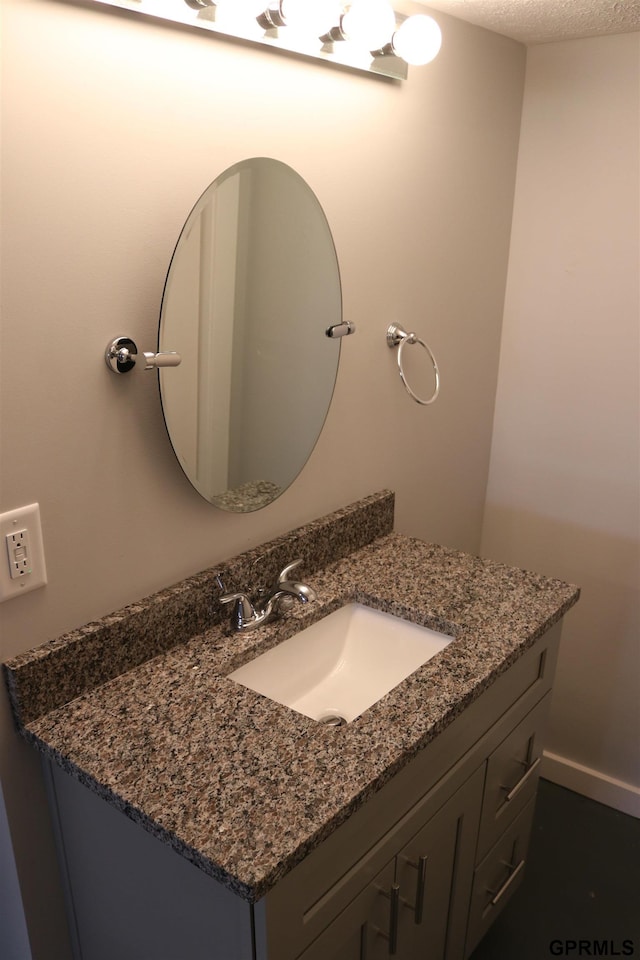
(219, 20)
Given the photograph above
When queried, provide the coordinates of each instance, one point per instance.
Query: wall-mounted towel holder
(397, 337)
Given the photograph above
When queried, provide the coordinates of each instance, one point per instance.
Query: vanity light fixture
(310, 17)
(363, 35)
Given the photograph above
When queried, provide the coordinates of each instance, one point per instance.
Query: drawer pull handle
(505, 886)
(520, 784)
(421, 866)
(393, 895)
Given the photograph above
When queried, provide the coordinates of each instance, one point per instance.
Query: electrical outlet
(22, 566)
(19, 551)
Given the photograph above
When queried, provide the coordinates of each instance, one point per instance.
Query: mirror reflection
(252, 287)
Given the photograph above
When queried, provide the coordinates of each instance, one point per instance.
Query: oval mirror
(252, 287)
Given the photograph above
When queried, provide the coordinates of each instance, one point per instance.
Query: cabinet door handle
(505, 886)
(394, 911)
(393, 895)
(421, 866)
(420, 889)
(521, 782)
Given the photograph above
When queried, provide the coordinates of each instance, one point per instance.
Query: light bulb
(417, 40)
(369, 23)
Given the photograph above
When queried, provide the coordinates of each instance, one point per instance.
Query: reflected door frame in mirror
(251, 296)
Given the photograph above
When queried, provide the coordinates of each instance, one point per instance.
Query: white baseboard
(591, 783)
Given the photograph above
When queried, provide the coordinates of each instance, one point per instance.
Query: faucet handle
(228, 597)
(243, 610)
(284, 574)
(286, 590)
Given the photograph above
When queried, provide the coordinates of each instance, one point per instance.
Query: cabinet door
(434, 873)
(365, 930)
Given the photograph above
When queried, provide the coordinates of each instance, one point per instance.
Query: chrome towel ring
(397, 337)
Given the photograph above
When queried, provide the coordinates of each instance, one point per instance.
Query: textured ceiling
(540, 21)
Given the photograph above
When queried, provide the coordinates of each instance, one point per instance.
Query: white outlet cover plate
(23, 518)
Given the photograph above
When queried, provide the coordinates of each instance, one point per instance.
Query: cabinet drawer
(498, 876)
(512, 776)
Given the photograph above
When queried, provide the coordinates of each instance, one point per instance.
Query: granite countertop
(142, 712)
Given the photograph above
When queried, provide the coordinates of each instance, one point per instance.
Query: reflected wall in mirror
(252, 287)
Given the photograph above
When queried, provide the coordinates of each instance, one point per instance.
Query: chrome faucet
(247, 616)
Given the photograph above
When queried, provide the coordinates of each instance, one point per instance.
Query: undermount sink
(339, 666)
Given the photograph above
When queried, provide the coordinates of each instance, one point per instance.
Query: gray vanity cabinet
(419, 871)
(454, 803)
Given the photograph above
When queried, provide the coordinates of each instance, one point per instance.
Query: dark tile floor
(582, 883)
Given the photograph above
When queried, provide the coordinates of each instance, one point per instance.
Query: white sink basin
(341, 665)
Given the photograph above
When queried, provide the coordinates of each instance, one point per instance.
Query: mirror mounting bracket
(121, 355)
(341, 329)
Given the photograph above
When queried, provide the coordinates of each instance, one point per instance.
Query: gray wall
(564, 490)
(112, 127)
